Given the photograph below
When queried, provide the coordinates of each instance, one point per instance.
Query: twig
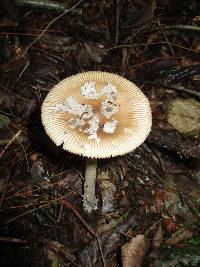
(152, 227)
(22, 72)
(59, 214)
(13, 240)
(10, 142)
(6, 181)
(117, 21)
(140, 28)
(50, 23)
(178, 27)
(165, 36)
(37, 208)
(22, 139)
(47, 4)
(183, 28)
(25, 154)
(87, 226)
(182, 89)
(57, 247)
(156, 43)
(174, 87)
(7, 114)
(78, 215)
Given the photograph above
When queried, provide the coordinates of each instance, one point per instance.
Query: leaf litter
(149, 198)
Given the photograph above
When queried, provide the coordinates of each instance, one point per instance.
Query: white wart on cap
(97, 114)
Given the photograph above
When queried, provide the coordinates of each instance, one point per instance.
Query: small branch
(117, 21)
(184, 90)
(6, 183)
(178, 27)
(10, 142)
(89, 199)
(59, 248)
(88, 227)
(166, 38)
(50, 23)
(183, 28)
(174, 87)
(32, 210)
(13, 240)
(154, 43)
(48, 5)
(70, 206)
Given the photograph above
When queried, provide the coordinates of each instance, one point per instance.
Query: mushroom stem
(89, 199)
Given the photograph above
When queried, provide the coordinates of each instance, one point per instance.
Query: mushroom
(96, 115)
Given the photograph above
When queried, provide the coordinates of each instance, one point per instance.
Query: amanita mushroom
(96, 115)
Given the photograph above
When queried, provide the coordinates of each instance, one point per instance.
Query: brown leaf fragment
(133, 252)
(159, 201)
(89, 255)
(184, 115)
(179, 236)
(54, 247)
(158, 238)
(169, 224)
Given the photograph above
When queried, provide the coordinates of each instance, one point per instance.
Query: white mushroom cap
(97, 114)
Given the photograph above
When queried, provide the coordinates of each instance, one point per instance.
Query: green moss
(193, 242)
(181, 257)
(4, 121)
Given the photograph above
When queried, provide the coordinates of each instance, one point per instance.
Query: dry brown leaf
(133, 252)
(53, 248)
(158, 238)
(179, 236)
(159, 201)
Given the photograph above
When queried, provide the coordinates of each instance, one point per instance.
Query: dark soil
(154, 190)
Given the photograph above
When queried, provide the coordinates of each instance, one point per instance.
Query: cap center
(96, 113)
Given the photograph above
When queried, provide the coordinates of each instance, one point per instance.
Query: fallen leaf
(133, 252)
(158, 238)
(179, 236)
(184, 116)
(159, 201)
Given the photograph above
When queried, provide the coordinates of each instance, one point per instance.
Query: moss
(181, 257)
(193, 242)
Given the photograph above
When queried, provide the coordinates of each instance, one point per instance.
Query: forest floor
(149, 199)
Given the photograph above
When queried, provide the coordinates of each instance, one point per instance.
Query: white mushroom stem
(89, 198)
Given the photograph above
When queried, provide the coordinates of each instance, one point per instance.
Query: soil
(154, 191)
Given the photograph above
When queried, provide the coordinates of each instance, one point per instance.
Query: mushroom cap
(118, 133)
